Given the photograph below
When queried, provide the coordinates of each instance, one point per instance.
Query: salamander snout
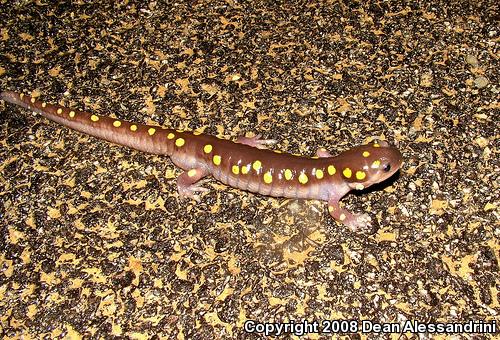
(371, 163)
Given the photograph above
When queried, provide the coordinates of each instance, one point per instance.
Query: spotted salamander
(245, 164)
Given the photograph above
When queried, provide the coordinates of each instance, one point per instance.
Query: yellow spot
(72, 114)
(278, 151)
(179, 130)
(94, 118)
(268, 178)
(21, 95)
(360, 175)
(33, 100)
(180, 142)
(117, 123)
(376, 145)
(44, 104)
(288, 174)
(319, 174)
(257, 165)
(59, 111)
(303, 178)
(235, 169)
(133, 127)
(245, 169)
(207, 148)
(366, 154)
(376, 164)
(331, 170)
(347, 173)
(192, 173)
(314, 157)
(216, 159)
(196, 132)
(360, 186)
(331, 208)
(170, 135)
(342, 217)
(151, 131)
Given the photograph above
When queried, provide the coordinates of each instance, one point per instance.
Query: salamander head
(369, 164)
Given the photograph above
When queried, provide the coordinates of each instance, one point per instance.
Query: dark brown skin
(245, 164)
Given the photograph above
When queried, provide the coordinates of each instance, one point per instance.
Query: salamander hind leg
(322, 153)
(256, 141)
(355, 222)
(188, 186)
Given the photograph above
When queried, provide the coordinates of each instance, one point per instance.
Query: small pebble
(481, 82)
(472, 60)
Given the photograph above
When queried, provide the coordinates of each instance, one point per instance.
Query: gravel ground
(96, 242)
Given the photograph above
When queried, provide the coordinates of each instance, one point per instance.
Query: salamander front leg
(355, 222)
(322, 153)
(187, 185)
(256, 141)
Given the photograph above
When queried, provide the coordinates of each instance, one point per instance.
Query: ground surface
(95, 241)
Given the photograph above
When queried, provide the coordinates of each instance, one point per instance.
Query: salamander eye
(387, 167)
